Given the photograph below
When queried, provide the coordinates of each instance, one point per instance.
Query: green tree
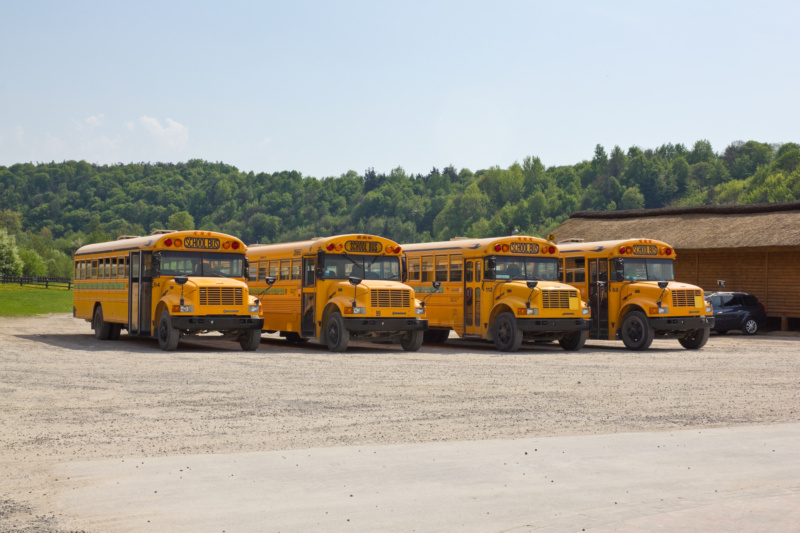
(180, 221)
(632, 199)
(32, 263)
(10, 262)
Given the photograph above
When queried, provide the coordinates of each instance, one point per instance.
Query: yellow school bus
(631, 289)
(336, 289)
(503, 289)
(168, 285)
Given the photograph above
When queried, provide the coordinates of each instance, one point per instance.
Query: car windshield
(344, 266)
(526, 268)
(648, 270)
(201, 264)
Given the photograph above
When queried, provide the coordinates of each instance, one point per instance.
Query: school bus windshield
(527, 268)
(202, 264)
(344, 266)
(649, 270)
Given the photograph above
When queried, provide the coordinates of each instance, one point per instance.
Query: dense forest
(48, 210)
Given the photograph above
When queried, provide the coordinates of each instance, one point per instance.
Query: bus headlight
(528, 311)
(586, 311)
(253, 308)
(183, 309)
(419, 310)
(355, 310)
(659, 310)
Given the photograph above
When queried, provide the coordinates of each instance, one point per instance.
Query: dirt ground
(65, 396)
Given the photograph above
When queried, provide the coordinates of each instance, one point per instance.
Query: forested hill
(74, 203)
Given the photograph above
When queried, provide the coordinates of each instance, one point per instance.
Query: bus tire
(436, 336)
(694, 339)
(294, 337)
(337, 337)
(116, 330)
(574, 341)
(168, 336)
(250, 339)
(411, 341)
(636, 332)
(102, 329)
(506, 335)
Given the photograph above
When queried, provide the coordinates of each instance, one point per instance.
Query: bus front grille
(684, 298)
(220, 296)
(556, 299)
(390, 298)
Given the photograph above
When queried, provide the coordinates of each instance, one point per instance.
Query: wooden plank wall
(772, 275)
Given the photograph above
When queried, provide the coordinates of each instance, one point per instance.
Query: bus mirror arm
(436, 285)
(355, 282)
(532, 286)
(181, 280)
(663, 286)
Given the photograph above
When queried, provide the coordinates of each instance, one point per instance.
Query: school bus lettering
(645, 249)
(367, 247)
(201, 243)
(524, 248)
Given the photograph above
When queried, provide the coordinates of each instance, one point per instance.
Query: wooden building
(753, 248)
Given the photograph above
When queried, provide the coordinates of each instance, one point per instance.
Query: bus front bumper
(385, 324)
(216, 323)
(553, 324)
(681, 323)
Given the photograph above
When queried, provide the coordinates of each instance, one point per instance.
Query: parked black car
(737, 310)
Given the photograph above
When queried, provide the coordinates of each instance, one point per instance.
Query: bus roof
(611, 248)
(480, 246)
(197, 241)
(322, 243)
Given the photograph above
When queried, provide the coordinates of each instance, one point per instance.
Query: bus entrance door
(307, 324)
(133, 293)
(598, 297)
(472, 297)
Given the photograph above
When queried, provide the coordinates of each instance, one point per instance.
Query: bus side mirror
(532, 284)
(354, 281)
(403, 270)
(181, 280)
(436, 285)
(246, 268)
(491, 268)
(619, 268)
(156, 265)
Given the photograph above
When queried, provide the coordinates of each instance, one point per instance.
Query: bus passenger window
(253, 272)
(108, 267)
(441, 268)
(477, 271)
(576, 270)
(285, 268)
(427, 268)
(413, 269)
(296, 269)
(468, 274)
(77, 270)
(273, 269)
(455, 267)
(94, 268)
(262, 271)
(113, 267)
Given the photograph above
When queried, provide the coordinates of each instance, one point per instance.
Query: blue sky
(327, 87)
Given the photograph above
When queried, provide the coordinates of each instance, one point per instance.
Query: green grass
(29, 300)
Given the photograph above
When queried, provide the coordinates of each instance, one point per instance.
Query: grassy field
(22, 301)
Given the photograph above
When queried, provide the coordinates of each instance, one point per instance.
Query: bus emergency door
(307, 324)
(140, 284)
(133, 293)
(598, 296)
(472, 297)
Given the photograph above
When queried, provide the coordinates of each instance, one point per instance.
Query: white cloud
(174, 136)
(95, 121)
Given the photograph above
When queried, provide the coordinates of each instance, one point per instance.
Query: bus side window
(108, 267)
(427, 268)
(285, 269)
(77, 270)
(576, 270)
(113, 267)
(441, 268)
(477, 271)
(94, 268)
(413, 269)
(296, 269)
(273, 269)
(262, 271)
(455, 267)
(468, 275)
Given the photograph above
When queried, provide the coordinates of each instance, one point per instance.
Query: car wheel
(636, 332)
(750, 326)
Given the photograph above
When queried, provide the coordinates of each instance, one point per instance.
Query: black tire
(168, 336)
(505, 333)
(102, 329)
(293, 337)
(722, 332)
(250, 339)
(337, 336)
(411, 340)
(695, 339)
(436, 336)
(750, 326)
(636, 332)
(116, 330)
(573, 341)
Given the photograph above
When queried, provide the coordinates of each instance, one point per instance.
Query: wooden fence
(43, 281)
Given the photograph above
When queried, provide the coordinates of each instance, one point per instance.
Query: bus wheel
(694, 339)
(436, 336)
(102, 329)
(636, 332)
(168, 336)
(293, 336)
(338, 337)
(250, 339)
(507, 336)
(573, 341)
(116, 329)
(411, 340)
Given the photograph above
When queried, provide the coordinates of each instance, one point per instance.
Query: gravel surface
(65, 396)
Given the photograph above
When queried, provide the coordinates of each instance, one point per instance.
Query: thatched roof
(707, 227)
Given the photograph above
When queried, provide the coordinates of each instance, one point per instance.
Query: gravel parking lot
(67, 397)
